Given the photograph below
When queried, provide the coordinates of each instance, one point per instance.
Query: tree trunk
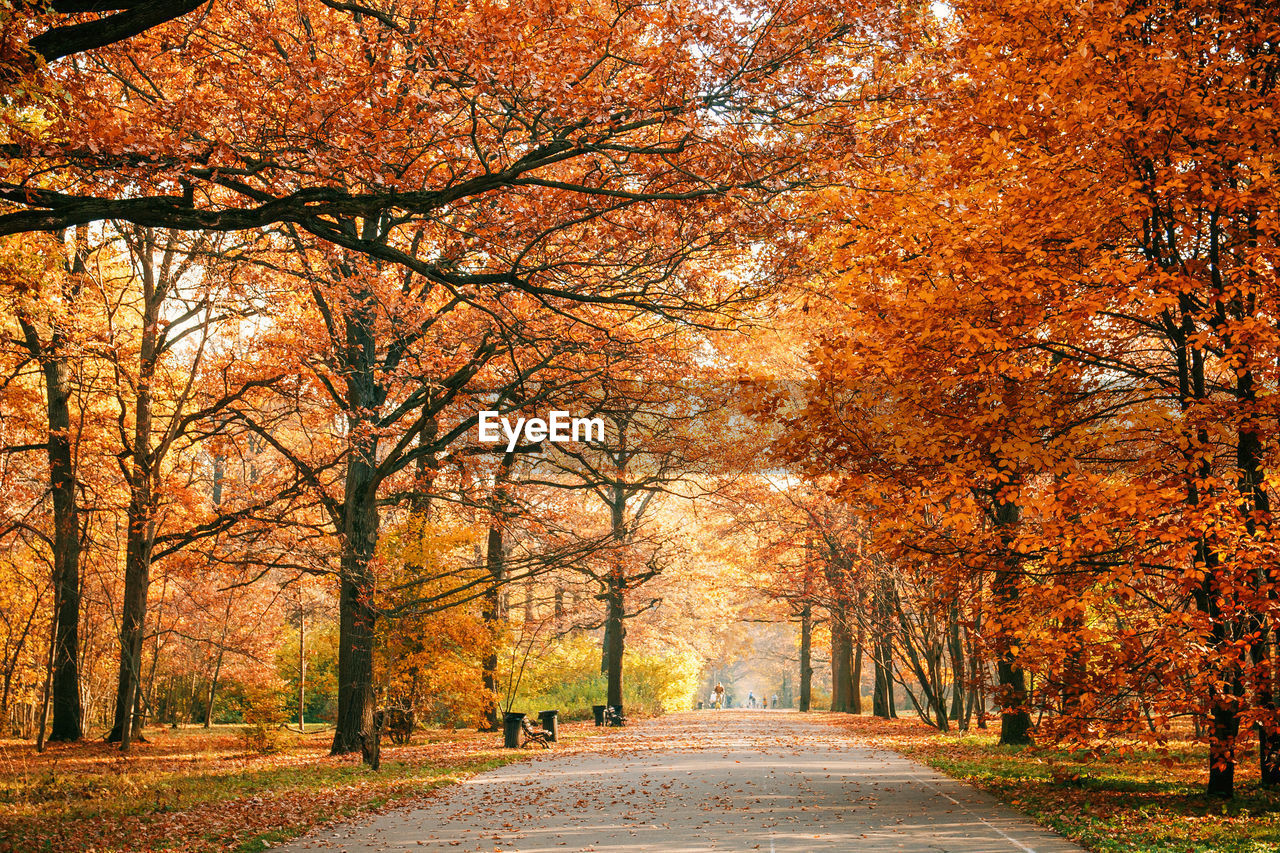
(357, 616)
(68, 721)
(882, 695)
(806, 657)
(1015, 717)
(365, 396)
(882, 654)
(614, 640)
(133, 616)
(302, 667)
(975, 692)
(841, 662)
(493, 609)
(1224, 704)
(140, 534)
(494, 615)
(615, 603)
(956, 647)
(1256, 505)
(855, 681)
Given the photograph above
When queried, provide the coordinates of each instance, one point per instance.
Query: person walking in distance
(719, 691)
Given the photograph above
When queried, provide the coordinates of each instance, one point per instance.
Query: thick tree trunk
(1256, 505)
(357, 617)
(137, 571)
(137, 576)
(67, 713)
(841, 663)
(133, 615)
(806, 657)
(882, 695)
(614, 643)
(1224, 702)
(365, 396)
(615, 601)
(68, 721)
(1015, 716)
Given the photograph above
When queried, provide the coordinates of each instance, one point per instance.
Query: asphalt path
(711, 780)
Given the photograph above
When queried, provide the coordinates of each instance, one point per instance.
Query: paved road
(727, 780)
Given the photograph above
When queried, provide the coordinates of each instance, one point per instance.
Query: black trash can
(615, 715)
(598, 710)
(511, 729)
(549, 720)
(699, 706)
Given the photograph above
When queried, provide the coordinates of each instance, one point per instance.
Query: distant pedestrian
(774, 703)
(719, 694)
(751, 700)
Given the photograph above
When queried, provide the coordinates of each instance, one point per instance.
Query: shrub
(261, 738)
(566, 676)
(263, 712)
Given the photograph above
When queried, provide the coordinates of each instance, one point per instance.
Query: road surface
(712, 780)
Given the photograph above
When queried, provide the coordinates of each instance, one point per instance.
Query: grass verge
(1131, 799)
(197, 790)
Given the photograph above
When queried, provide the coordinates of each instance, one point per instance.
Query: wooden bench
(396, 722)
(535, 734)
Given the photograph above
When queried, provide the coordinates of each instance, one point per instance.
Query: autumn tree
(44, 279)
(1060, 299)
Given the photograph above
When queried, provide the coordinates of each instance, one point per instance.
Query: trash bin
(549, 720)
(615, 715)
(699, 706)
(598, 710)
(511, 729)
